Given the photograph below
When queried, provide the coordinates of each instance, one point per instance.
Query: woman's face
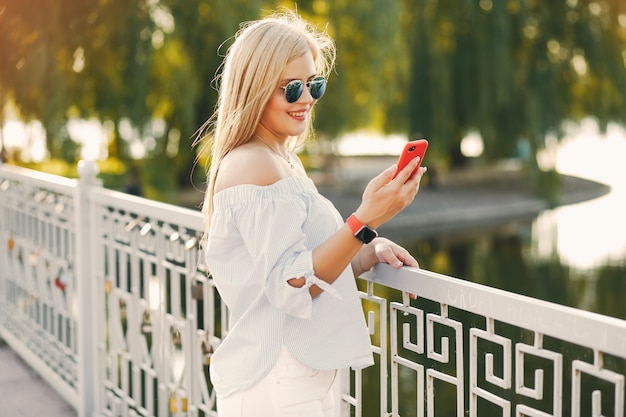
(281, 118)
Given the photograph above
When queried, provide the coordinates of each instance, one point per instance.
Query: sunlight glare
(367, 143)
(472, 145)
(92, 137)
(588, 234)
(29, 138)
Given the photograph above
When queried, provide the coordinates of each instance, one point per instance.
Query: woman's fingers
(383, 178)
(383, 197)
(395, 255)
(405, 174)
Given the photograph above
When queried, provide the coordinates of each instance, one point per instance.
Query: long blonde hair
(249, 76)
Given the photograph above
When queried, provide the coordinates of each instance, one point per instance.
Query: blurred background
(128, 82)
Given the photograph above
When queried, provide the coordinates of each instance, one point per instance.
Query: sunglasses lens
(293, 91)
(318, 87)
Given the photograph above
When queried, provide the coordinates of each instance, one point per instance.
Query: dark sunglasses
(294, 89)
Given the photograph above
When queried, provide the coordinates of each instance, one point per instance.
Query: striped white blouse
(260, 237)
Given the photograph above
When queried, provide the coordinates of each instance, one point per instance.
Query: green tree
(201, 38)
(363, 90)
(35, 48)
(512, 70)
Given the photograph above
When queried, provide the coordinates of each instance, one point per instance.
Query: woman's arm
(383, 198)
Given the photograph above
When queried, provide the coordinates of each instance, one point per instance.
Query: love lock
(192, 243)
(61, 281)
(146, 324)
(197, 291)
(174, 404)
(33, 258)
(207, 352)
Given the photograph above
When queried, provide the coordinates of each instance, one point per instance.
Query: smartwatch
(361, 231)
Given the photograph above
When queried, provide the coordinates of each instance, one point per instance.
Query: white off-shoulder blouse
(260, 237)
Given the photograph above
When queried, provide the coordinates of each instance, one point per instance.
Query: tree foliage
(514, 69)
(511, 70)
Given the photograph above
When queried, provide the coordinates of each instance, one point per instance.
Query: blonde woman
(283, 259)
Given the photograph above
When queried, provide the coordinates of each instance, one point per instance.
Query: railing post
(85, 283)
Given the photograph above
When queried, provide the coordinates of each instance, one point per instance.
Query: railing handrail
(186, 217)
(597, 331)
(53, 182)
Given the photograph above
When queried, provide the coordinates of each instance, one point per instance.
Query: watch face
(366, 235)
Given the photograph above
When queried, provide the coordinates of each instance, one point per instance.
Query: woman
(283, 260)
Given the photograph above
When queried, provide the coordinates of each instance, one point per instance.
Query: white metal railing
(107, 297)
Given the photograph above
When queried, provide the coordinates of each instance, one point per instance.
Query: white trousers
(291, 389)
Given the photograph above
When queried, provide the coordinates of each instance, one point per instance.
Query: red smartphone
(411, 150)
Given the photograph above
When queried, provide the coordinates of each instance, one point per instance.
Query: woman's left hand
(393, 254)
(382, 250)
(385, 251)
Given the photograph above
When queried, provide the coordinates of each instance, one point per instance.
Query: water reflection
(590, 234)
(589, 239)
(502, 259)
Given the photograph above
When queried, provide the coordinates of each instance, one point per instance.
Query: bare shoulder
(248, 164)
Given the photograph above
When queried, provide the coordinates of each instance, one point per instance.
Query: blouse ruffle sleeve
(271, 228)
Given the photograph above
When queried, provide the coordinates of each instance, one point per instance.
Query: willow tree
(37, 44)
(513, 70)
(125, 62)
(367, 83)
(202, 34)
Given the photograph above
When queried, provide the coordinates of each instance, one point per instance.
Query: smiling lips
(298, 114)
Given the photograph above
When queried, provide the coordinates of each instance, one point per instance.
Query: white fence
(107, 297)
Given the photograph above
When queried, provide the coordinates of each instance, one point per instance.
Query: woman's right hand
(383, 197)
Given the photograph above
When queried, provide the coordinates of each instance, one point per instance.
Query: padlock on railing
(146, 324)
(207, 352)
(33, 258)
(174, 404)
(193, 242)
(61, 280)
(197, 291)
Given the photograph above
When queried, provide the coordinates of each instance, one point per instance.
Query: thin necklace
(286, 158)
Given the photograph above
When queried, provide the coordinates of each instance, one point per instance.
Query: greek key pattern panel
(520, 375)
(375, 379)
